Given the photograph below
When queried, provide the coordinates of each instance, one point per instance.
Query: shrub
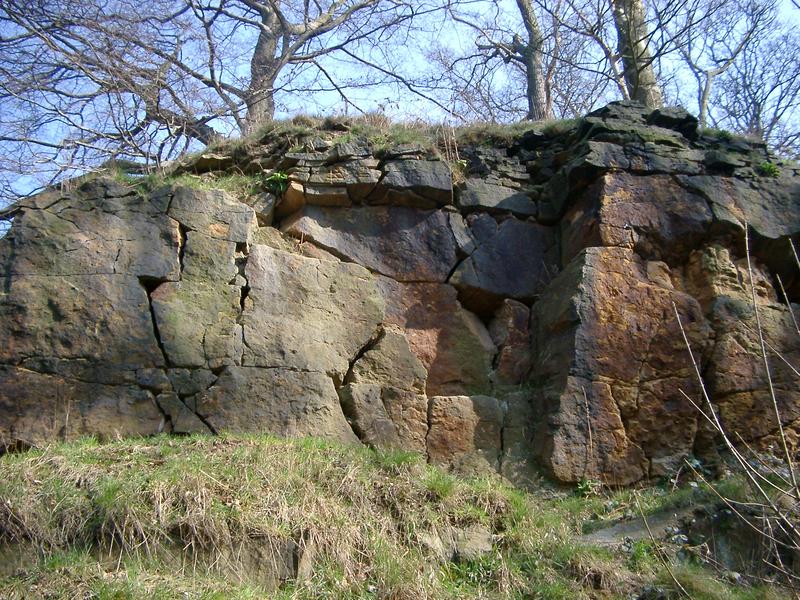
(768, 169)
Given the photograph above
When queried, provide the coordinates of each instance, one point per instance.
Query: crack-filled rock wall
(523, 316)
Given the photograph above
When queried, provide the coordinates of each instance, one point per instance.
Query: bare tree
(760, 94)
(295, 33)
(497, 39)
(85, 80)
(525, 63)
(631, 40)
(529, 53)
(709, 47)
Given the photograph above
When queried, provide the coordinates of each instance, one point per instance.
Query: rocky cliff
(520, 314)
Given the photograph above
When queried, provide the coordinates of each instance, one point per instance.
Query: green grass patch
(719, 134)
(560, 127)
(238, 184)
(168, 517)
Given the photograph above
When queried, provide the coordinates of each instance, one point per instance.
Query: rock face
(609, 317)
(526, 317)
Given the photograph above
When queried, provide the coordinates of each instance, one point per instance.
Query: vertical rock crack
(338, 384)
(150, 285)
(241, 257)
(182, 235)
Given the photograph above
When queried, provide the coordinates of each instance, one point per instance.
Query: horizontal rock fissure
(73, 378)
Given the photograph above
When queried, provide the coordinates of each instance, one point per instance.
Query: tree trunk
(705, 94)
(538, 106)
(263, 72)
(640, 77)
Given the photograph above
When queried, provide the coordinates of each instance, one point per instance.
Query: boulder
(391, 363)
(417, 183)
(82, 234)
(517, 462)
(516, 261)
(296, 308)
(676, 118)
(213, 213)
(384, 395)
(451, 343)
(737, 380)
(197, 323)
(770, 206)
(181, 418)
(475, 194)
(402, 243)
(510, 332)
(291, 200)
(40, 408)
(653, 215)
(358, 177)
(88, 320)
(264, 206)
(386, 417)
(325, 195)
(281, 401)
(207, 259)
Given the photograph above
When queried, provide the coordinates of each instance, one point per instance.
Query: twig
(777, 352)
(731, 504)
(787, 454)
(749, 472)
(589, 426)
(659, 551)
(677, 478)
(794, 252)
(788, 304)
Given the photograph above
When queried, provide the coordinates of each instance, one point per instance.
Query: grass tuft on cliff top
(170, 517)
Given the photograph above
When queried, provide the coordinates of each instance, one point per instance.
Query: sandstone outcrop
(523, 317)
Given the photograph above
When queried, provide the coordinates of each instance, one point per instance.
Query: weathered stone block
(609, 367)
(465, 432)
(479, 195)
(517, 260)
(402, 243)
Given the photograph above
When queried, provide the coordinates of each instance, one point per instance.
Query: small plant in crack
(768, 169)
(277, 183)
(587, 488)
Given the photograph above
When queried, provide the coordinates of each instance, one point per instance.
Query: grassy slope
(98, 521)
